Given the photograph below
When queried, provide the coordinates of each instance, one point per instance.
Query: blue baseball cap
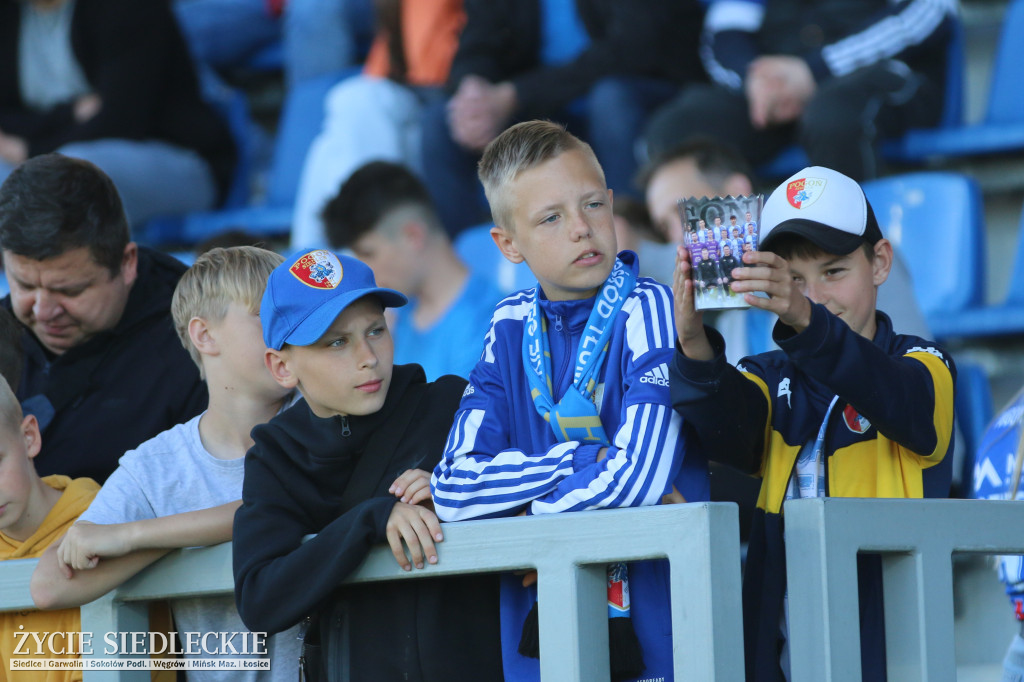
(307, 292)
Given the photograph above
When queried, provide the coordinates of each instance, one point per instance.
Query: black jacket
(834, 37)
(707, 273)
(888, 436)
(502, 39)
(119, 388)
(295, 476)
(135, 59)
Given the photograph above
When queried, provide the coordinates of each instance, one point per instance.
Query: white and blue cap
(307, 292)
(823, 206)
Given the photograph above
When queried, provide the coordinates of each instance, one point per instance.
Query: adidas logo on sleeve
(657, 375)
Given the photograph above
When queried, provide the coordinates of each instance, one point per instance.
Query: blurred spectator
(103, 368)
(319, 36)
(384, 214)
(601, 66)
(377, 115)
(110, 81)
(635, 232)
(701, 168)
(12, 354)
(833, 75)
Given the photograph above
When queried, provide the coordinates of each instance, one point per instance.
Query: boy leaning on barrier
(847, 408)
(182, 487)
(34, 513)
(345, 466)
(569, 408)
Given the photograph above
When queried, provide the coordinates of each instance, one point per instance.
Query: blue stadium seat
(792, 159)
(301, 119)
(935, 219)
(476, 248)
(1002, 129)
(1000, 319)
(233, 106)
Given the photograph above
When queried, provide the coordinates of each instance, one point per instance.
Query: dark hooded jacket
(296, 475)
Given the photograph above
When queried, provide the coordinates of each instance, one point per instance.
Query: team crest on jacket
(318, 269)
(854, 421)
(804, 192)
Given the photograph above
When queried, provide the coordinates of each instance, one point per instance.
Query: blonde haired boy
(569, 407)
(34, 513)
(181, 488)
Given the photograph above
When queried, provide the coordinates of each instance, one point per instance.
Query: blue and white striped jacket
(502, 457)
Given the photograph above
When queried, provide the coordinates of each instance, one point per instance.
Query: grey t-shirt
(173, 473)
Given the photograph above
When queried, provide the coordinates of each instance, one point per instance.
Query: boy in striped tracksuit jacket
(553, 210)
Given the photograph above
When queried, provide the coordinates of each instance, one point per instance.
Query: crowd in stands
(369, 385)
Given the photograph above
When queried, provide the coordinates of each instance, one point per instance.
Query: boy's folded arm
(123, 549)
(279, 579)
(908, 398)
(646, 450)
(52, 589)
(637, 470)
(728, 411)
(472, 483)
(479, 475)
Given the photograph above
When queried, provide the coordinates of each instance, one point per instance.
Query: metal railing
(569, 552)
(917, 539)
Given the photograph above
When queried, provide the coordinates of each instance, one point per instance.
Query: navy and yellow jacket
(889, 435)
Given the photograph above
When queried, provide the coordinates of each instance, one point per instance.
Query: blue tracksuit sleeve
(502, 457)
(479, 475)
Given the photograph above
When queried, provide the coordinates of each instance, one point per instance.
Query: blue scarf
(575, 417)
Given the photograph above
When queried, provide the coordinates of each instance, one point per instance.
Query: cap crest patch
(318, 269)
(804, 192)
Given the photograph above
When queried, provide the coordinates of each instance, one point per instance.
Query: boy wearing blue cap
(345, 466)
(846, 408)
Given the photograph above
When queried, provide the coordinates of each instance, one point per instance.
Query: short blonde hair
(520, 148)
(219, 277)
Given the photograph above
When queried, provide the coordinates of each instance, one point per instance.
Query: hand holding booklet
(717, 232)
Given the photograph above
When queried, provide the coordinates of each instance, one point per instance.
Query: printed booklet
(717, 232)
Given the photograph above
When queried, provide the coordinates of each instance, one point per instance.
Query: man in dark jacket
(833, 75)
(103, 368)
(523, 59)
